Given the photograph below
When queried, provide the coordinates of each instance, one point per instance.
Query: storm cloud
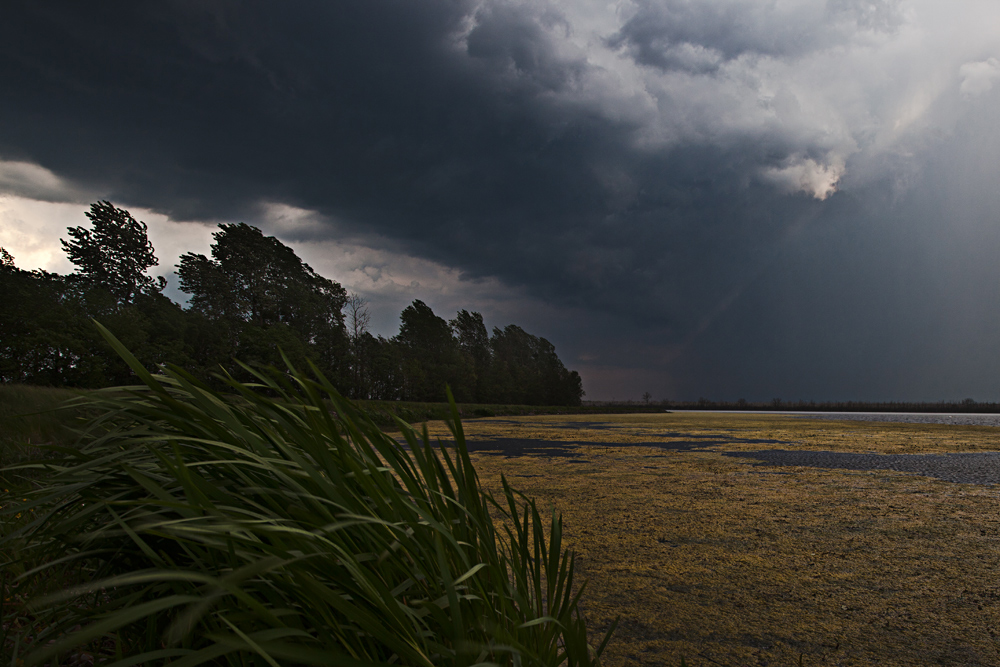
(711, 198)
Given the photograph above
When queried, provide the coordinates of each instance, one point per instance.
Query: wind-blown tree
(47, 335)
(474, 343)
(114, 255)
(431, 357)
(525, 369)
(383, 371)
(267, 297)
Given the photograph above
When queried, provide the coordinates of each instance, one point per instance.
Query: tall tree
(358, 319)
(431, 356)
(474, 343)
(115, 254)
(525, 369)
(383, 369)
(259, 287)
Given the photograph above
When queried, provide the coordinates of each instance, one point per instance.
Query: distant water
(959, 419)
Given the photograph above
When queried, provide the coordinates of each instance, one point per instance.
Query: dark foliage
(254, 299)
(114, 255)
(267, 299)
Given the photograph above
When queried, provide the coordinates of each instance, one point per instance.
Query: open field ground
(747, 539)
(726, 561)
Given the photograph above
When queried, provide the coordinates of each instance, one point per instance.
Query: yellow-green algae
(707, 557)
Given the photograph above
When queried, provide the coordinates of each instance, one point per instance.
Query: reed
(277, 525)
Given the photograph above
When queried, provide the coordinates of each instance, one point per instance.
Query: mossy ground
(725, 563)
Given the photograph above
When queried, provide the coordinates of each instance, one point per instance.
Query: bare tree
(358, 319)
(647, 397)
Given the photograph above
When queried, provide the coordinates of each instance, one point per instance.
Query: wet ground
(766, 539)
(963, 468)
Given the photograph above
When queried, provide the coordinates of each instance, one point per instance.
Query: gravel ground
(973, 468)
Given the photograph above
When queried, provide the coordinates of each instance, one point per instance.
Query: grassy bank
(382, 412)
(284, 527)
(722, 562)
(32, 415)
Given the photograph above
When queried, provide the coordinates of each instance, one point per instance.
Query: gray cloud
(734, 197)
(700, 36)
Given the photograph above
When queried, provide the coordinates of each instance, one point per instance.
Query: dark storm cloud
(670, 190)
(368, 112)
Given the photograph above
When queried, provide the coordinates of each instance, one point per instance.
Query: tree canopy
(252, 300)
(265, 296)
(115, 254)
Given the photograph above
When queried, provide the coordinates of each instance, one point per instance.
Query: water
(958, 419)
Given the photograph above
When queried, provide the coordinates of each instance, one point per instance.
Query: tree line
(252, 300)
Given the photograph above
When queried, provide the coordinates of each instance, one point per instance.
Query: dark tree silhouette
(267, 298)
(474, 343)
(430, 354)
(115, 254)
(358, 319)
(252, 298)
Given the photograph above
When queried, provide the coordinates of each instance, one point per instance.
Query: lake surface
(959, 419)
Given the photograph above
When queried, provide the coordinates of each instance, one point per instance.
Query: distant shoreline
(967, 406)
(949, 418)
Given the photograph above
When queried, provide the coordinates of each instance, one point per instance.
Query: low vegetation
(704, 557)
(265, 528)
(719, 561)
(34, 416)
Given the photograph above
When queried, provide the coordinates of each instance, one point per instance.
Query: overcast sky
(718, 198)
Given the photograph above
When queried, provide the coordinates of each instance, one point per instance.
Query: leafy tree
(383, 378)
(256, 282)
(260, 280)
(431, 356)
(43, 335)
(115, 254)
(47, 335)
(525, 369)
(474, 343)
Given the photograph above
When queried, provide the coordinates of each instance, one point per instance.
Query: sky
(757, 199)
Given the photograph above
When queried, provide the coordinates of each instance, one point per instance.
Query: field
(724, 562)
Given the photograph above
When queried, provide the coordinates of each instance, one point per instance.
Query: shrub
(192, 527)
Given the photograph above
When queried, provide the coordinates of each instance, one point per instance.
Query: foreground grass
(723, 563)
(31, 416)
(192, 528)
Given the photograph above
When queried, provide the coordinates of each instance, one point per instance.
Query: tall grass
(31, 416)
(261, 528)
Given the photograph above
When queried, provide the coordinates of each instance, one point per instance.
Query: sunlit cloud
(808, 176)
(30, 229)
(978, 77)
(32, 181)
